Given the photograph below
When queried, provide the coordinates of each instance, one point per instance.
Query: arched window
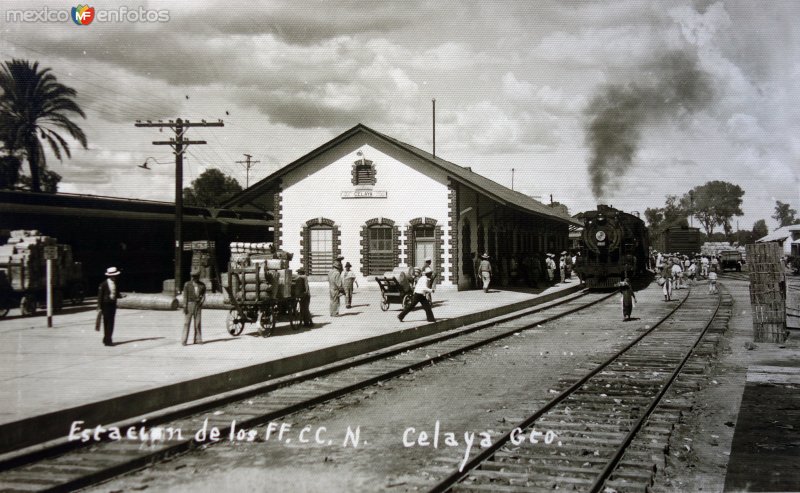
(426, 242)
(320, 245)
(381, 247)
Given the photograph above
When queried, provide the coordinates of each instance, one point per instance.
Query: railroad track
(70, 465)
(739, 276)
(609, 427)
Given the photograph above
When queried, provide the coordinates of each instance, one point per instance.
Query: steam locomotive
(614, 245)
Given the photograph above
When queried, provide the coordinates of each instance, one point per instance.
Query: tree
(784, 214)
(760, 229)
(744, 237)
(9, 171)
(33, 105)
(654, 217)
(49, 181)
(211, 189)
(715, 203)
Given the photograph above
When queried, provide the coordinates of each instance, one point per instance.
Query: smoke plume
(668, 89)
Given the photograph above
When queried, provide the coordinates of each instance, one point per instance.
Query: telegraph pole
(248, 164)
(179, 145)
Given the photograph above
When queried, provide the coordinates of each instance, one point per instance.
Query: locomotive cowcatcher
(614, 245)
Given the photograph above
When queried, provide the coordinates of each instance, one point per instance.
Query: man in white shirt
(420, 290)
(348, 279)
(677, 275)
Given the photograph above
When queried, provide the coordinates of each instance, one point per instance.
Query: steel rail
(612, 464)
(229, 398)
(447, 483)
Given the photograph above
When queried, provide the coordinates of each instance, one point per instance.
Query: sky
(618, 102)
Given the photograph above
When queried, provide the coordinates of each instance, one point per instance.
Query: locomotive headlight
(600, 236)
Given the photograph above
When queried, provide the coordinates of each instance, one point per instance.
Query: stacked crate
(22, 259)
(204, 261)
(767, 292)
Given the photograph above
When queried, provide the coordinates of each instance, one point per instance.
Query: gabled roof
(780, 234)
(493, 190)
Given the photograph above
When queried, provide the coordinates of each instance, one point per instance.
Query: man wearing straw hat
(107, 296)
(485, 271)
(194, 294)
(335, 285)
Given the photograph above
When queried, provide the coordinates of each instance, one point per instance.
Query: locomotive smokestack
(672, 87)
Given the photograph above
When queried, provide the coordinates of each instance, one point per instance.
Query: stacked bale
(767, 292)
(258, 273)
(23, 260)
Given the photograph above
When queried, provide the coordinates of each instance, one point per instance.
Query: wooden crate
(767, 295)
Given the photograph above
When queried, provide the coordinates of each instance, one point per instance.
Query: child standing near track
(628, 299)
(712, 282)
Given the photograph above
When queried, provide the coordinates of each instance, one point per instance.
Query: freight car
(136, 236)
(613, 245)
(683, 240)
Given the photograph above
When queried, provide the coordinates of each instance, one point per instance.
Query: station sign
(51, 253)
(199, 245)
(364, 194)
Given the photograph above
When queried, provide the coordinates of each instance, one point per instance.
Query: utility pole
(512, 178)
(248, 164)
(179, 145)
(433, 101)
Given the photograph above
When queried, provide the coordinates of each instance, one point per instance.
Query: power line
(179, 145)
(248, 164)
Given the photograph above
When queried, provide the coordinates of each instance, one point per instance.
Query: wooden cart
(392, 292)
(264, 305)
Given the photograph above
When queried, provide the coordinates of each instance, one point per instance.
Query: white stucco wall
(414, 189)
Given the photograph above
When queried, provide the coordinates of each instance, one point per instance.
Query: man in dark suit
(194, 294)
(107, 296)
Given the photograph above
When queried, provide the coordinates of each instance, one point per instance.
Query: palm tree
(33, 105)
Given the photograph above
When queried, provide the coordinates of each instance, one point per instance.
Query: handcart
(392, 291)
(257, 296)
(397, 286)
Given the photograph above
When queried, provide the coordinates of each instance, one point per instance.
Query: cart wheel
(407, 301)
(384, 303)
(268, 322)
(27, 305)
(234, 324)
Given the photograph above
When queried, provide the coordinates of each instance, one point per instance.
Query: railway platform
(51, 377)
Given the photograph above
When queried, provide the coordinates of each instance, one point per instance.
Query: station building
(382, 203)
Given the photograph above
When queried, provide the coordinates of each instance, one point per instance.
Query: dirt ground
(700, 448)
(487, 390)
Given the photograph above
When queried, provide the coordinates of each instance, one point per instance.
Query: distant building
(382, 203)
(787, 236)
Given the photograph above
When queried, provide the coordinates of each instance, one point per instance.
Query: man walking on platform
(551, 267)
(485, 271)
(304, 293)
(194, 295)
(335, 286)
(421, 289)
(107, 296)
(348, 279)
